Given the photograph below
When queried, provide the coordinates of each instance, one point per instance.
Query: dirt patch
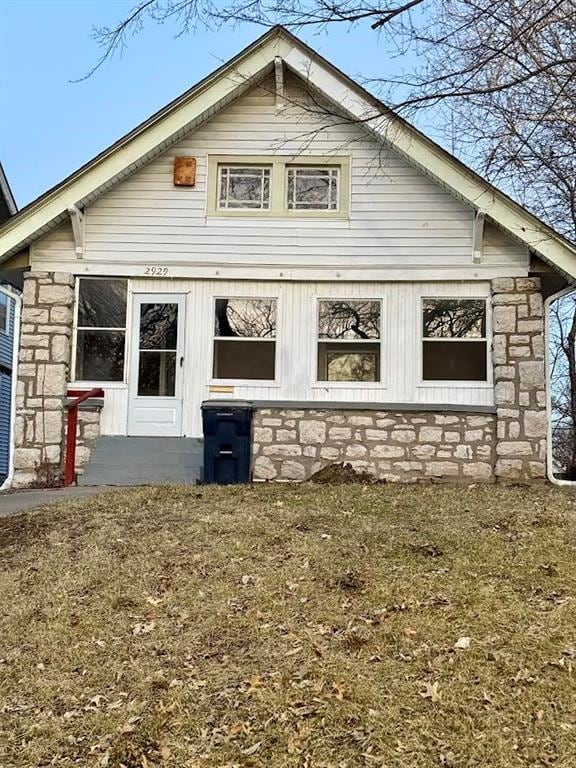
(343, 474)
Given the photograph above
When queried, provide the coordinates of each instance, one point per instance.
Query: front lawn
(298, 626)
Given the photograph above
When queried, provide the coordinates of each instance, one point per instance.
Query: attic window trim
(278, 204)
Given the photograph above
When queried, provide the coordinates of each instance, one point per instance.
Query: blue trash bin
(227, 429)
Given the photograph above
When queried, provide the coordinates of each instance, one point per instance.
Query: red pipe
(72, 429)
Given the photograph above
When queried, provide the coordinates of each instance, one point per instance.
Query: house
(277, 235)
(9, 303)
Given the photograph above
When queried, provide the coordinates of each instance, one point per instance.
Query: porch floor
(144, 461)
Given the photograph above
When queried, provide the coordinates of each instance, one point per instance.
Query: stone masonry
(519, 379)
(44, 362)
(291, 444)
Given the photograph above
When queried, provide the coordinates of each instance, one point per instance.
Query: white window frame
(303, 166)
(271, 383)
(250, 208)
(6, 328)
(487, 340)
(84, 383)
(319, 384)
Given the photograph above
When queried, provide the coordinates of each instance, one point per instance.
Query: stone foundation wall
(519, 379)
(292, 444)
(44, 362)
(87, 434)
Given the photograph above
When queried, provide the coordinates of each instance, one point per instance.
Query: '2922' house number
(155, 271)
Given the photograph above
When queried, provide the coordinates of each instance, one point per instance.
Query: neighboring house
(7, 322)
(276, 235)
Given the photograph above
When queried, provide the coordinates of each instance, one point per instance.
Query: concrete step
(144, 461)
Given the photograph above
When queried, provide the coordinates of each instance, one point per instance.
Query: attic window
(243, 187)
(455, 346)
(312, 188)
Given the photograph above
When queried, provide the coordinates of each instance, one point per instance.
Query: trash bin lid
(243, 405)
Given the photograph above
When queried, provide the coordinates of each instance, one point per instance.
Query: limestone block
(327, 452)
(23, 479)
(504, 393)
(286, 435)
(430, 434)
(441, 468)
(536, 305)
(519, 339)
(384, 423)
(538, 347)
(292, 470)
(28, 340)
(356, 450)
(524, 399)
(82, 455)
(282, 450)
(262, 434)
(502, 285)
(473, 435)
(452, 437)
(508, 298)
(478, 470)
(53, 454)
(339, 433)
(509, 469)
(504, 319)
(529, 326)
(361, 421)
(408, 466)
(499, 349)
(483, 451)
(387, 451)
(537, 469)
(90, 431)
(514, 448)
(34, 315)
(61, 315)
(311, 451)
(60, 349)
(56, 294)
(52, 379)
(514, 430)
(312, 432)
(403, 435)
(535, 423)
(504, 372)
(26, 458)
(49, 426)
(63, 278)
(531, 375)
(376, 434)
(463, 451)
(519, 351)
(264, 469)
(423, 451)
(30, 291)
(270, 422)
(446, 419)
(541, 399)
(527, 284)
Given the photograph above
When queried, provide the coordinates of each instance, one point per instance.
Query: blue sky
(49, 126)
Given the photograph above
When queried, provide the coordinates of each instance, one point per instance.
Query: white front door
(156, 365)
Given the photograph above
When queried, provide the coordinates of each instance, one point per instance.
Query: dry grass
(311, 627)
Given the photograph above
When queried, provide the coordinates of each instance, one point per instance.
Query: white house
(277, 235)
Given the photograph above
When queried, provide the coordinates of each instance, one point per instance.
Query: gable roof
(8, 205)
(166, 127)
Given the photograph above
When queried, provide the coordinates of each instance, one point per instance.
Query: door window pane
(244, 187)
(157, 374)
(100, 355)
(158, 326)
(101, 303)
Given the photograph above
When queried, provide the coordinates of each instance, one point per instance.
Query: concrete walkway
(20, 501)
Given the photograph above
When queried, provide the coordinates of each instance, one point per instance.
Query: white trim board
(220, 88)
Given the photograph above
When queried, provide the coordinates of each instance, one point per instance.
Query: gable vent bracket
(77, 221)
(279, 75)
(478, 237)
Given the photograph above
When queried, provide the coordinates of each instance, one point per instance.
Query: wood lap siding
(397, 213)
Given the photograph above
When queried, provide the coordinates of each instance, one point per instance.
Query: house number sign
(156, 271)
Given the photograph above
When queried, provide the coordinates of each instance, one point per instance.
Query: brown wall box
(184, 171)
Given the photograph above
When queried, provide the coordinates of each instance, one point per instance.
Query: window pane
(252, 318)
(158, 326)
(100, 356)
(157, 374)
(244, 187)
(244, 360)
(349, 320)
(454, 361)
(313, 188)
(454, 318)
(102, 303)
(348, 362)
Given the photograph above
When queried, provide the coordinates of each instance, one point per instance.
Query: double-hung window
(4, 313)
(244, 187)
(349, 340)
(101, 329)
(454, 343)
(244, 339)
